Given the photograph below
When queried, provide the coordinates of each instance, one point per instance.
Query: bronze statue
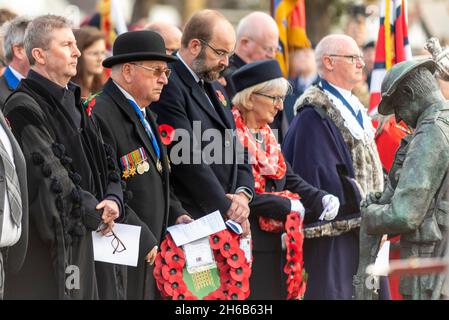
(416, 202)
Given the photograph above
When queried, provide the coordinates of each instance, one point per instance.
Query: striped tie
(12, 186)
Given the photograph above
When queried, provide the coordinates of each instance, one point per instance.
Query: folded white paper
(205, 226)
(199, 256)
(123, 248)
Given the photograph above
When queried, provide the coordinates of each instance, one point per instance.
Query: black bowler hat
(138, 46)
(255, 73)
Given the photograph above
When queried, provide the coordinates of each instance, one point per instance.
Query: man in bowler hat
(139, 73)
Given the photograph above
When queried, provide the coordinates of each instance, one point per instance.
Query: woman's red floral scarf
(270, 163)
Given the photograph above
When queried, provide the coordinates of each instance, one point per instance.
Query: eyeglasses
(220, 53)
(116, 243)
(269, 50)
(157, 71)
(354, 58)
(276, 99)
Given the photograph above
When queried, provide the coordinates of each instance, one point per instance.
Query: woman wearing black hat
(276, 208)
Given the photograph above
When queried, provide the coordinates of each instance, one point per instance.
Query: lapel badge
(159, 166)
(221, 98)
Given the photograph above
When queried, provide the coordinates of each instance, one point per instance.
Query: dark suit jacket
(152, 198)
(17, 252)
(277, 207)
(201, 187)
(235, 63)
(6, 87)
(120, 126)
(267, 277)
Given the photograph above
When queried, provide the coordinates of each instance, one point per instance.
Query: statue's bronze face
(406, 109)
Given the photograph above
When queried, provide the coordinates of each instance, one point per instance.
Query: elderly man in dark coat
(139, 72)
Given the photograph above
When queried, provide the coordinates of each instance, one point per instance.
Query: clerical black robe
(69, 171)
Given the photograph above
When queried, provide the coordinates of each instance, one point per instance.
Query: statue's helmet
(395, 75)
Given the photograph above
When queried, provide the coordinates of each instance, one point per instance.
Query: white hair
(330, 44)
(255, 24)
(241, 98)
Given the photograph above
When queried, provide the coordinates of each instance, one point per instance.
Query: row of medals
(142, 167)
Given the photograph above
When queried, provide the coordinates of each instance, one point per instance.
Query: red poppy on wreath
(167, 133)
(294, 267)
(234, 271)
(221, 97)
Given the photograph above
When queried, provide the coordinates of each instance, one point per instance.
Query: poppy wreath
(233, 269)
(270, 163)
(294, 267)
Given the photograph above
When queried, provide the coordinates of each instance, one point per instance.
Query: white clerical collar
(16, 73)
(129, 97)
(188, 68)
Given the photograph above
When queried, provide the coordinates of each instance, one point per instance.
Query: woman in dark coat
(276, 207)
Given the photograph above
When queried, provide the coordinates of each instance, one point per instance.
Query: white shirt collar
(347, 94)
(188, 68)
(129, 97)
(16, 73)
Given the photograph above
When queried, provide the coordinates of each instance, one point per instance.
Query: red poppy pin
(167, 133)
(90, 103)
(221, 97)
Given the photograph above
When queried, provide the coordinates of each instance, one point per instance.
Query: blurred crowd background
(359, 18)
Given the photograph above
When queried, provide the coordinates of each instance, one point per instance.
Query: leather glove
(331, 204)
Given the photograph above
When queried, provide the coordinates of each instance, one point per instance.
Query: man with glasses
(192, 98)
(170, 33)
(139, 73)
(257, 40)
(330, 144)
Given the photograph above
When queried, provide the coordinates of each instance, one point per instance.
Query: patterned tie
(147, 127)
(12, 186)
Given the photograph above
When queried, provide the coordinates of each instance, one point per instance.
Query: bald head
(257, 37)
(203, 25)
(331, 44)
(170, 33)
(256, 24)
(338, 60)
